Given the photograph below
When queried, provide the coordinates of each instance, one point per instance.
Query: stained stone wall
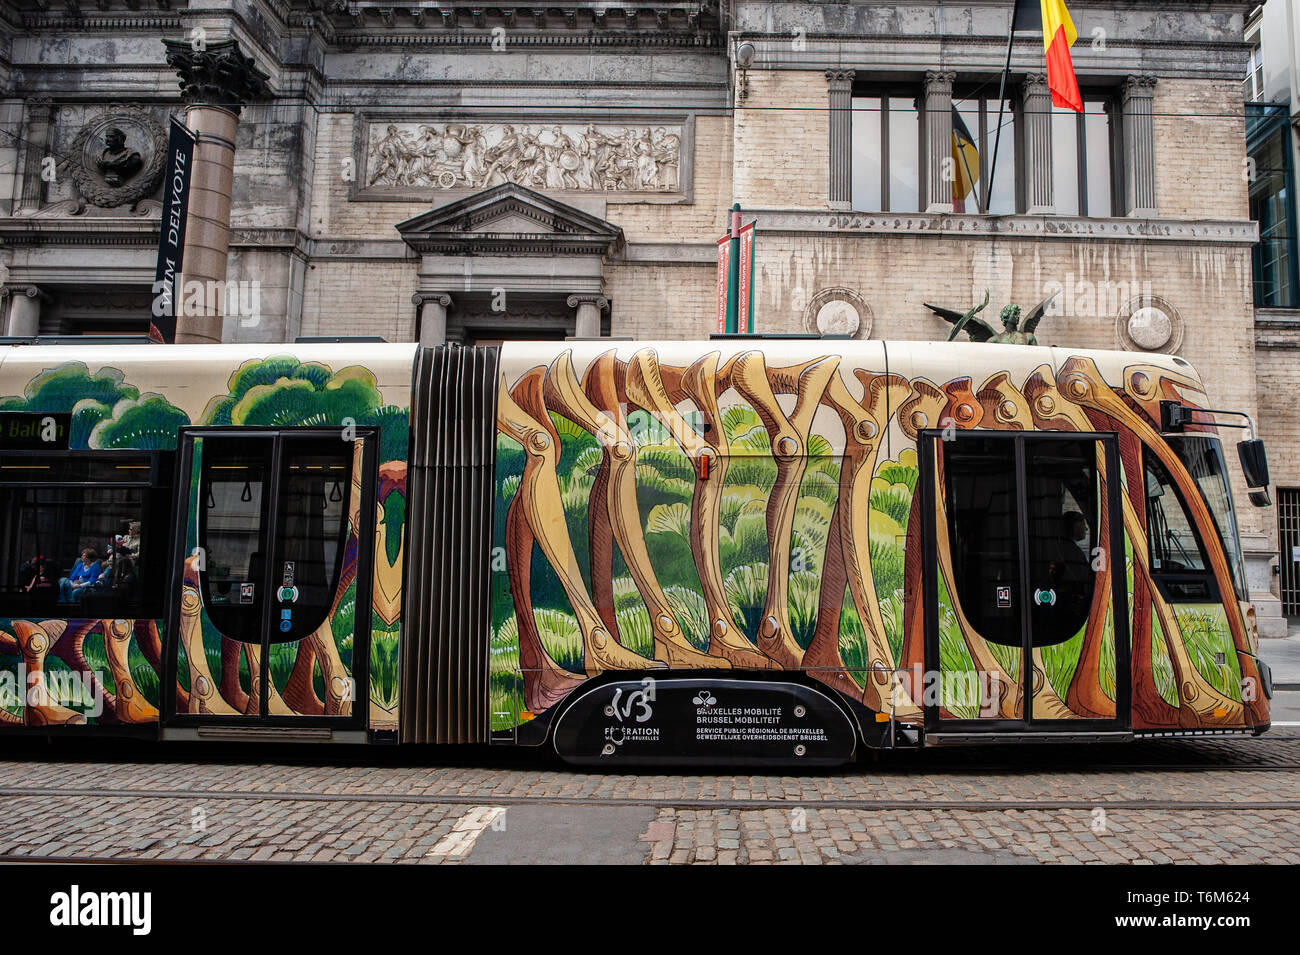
(348, 296)
(659, 300)
(1200, 148)
(333, 211)
(1276, 380)
(782, 134)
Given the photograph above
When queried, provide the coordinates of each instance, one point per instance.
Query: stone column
(840, 84)
(1139, 102)
(24, 319)
(938, 142)
(39, 114)
(431, 309)
(216, 82)
(587, 322)
(1036, 144)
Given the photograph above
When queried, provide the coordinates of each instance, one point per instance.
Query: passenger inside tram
(44, 578)
(84, 573)
(1071, 570)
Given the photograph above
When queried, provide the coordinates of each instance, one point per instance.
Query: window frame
(885, 91)
(987, 136)
(156, 530)
(1253, 83)
(364, 580)
(1112, 104)
(1274, 284)
(1162, 578)
(1229, 536)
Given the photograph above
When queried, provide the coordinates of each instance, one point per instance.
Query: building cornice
(136, 232)
(1225, 232)
(124, 21)
(99, 232)
(1277, 328)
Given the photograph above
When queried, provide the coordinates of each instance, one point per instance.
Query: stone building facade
(434, 171)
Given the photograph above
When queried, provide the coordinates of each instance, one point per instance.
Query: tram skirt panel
(444, 651)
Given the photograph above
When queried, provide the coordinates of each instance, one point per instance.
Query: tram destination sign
(721, 720)
(34, 430)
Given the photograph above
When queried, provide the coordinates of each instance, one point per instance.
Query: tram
(741, 551)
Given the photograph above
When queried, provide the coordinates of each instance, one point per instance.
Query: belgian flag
(966, 162)
(1058, 36)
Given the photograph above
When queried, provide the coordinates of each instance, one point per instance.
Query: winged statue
(1016, 330)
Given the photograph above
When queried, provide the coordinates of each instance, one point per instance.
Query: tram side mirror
(1254, 465)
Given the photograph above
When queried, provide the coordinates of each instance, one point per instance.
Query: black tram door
(1025, 583)
(271, 586)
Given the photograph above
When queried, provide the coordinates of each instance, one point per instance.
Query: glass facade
(1272, 204)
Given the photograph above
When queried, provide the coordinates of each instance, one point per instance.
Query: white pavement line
(1285, 724)
(457, 843)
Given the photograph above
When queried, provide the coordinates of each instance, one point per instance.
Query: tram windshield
(1178, 557)
(1203, 458)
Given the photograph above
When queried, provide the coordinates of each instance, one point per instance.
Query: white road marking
(1285, 724)
(457, 843)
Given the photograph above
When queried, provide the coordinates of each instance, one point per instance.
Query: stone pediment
(509, 219)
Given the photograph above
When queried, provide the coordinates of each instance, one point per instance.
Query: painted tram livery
(732, 551)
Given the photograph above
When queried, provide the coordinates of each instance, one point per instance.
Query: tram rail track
(670, 802)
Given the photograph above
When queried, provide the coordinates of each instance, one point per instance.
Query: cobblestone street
(1203, 801)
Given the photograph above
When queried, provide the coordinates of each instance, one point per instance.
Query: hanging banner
(724, 266)
(745, 302)
(171, 238)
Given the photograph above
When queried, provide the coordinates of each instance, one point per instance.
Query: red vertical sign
(745, 315)
(724, 262)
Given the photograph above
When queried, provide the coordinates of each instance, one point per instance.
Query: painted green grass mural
(664, 487)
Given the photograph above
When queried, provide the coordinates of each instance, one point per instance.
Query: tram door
(267, 624)
(1025, 592)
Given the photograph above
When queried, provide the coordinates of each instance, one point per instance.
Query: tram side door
(1026, 614)
(271, 578)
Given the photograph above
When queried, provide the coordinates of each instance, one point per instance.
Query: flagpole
(1002, 89)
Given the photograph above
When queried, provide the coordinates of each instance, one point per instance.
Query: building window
(1253, 87)
(975, 125)
(1272, 185)
(886, 151)
(1083, 148)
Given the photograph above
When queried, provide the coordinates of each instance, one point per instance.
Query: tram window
(287, 551)
(56, 508)
(315, 481)
(1203, 458)
(232, 532)
(984, 534)
(1063, 528)
(1178, 563)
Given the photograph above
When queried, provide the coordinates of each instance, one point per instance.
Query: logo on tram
(639, 700)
